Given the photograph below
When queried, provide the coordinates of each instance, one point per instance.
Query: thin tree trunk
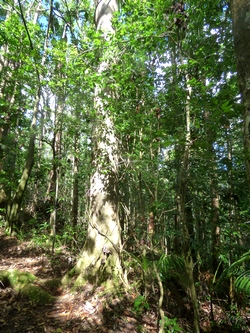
(15, 205)
(215, 200)
(186, 249)
(75, 189)
(215, 228)
(56, 167)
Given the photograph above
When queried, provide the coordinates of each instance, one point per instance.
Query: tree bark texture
(100, 259)
(241, 32)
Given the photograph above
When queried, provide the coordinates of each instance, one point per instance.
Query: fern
(244, 257)
(169, 266)
(242, 282)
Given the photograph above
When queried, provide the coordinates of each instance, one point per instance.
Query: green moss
(72, 272)
(16, 277)
(36, 294)
(51, 284)
(79, 282)
(23, 283)
(67, 279)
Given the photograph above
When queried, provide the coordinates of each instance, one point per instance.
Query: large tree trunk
(100, 258)
(241, 28)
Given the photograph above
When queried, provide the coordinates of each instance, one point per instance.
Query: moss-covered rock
(17, 277)
(51, 284)
(26, 284)
(36, 294)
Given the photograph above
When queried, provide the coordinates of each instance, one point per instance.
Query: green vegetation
(125, 141)
(27, 285)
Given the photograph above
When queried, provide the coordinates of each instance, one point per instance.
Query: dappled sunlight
(20, 255)
(91, 309)
(124, 166)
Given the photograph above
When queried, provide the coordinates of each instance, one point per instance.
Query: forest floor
(90, 310)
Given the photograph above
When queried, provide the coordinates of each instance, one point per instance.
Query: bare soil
(91, 309)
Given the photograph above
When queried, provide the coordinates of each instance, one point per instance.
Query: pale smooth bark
(100, 258)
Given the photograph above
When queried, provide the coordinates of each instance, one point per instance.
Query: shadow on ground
(90, 310)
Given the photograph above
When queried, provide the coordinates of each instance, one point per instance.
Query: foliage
(235, 321)
(239, 270)
(242, 282)
(25, 284)
(171, 325)
(171, 266)
(156, 69)
(140, 304)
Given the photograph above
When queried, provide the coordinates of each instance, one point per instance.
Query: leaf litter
(91, 309)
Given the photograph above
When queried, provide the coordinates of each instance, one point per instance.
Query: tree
(14, 205)
(101, 255)
(149, 95)
(241, 24)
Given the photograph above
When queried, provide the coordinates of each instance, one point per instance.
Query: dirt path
(93, 309)
(90, 310)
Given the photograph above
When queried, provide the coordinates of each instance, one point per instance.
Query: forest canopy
(124, 129)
